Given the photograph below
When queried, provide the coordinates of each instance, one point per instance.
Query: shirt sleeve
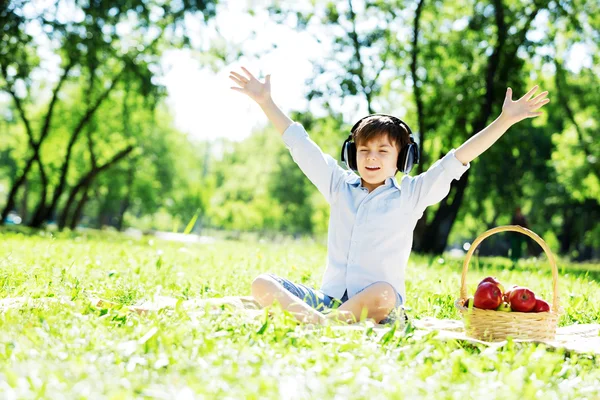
(432, 186)
(320, 168)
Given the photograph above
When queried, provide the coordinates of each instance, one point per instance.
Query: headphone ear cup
(416, 153)
(348, 155)
(351, 146)
(409, 156)
(401, 164)
(409, 159)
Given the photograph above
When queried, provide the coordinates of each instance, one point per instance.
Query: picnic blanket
(580, 338)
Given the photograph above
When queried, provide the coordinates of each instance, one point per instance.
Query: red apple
(521, 299)
(492, 279)
(507, 293)
(541, 306)
(488, 296)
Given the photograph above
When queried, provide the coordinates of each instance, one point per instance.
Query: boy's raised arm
(320, 168)
(433, 185)
(261, 94)
(512, 112)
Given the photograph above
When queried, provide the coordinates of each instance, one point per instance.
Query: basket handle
(525, 231)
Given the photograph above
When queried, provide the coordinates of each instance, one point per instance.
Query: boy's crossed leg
(374, 302)
(267, 290)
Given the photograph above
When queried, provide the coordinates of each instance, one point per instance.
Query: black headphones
(409, 155)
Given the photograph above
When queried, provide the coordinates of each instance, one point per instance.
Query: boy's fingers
(237, 89)
(535, 114)
(250, 76)
(240, 77)
(530, 93)
(509, 93)
(236, 80)
(539, 97)
(540, 104)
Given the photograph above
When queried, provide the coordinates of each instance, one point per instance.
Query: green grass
(77, 351)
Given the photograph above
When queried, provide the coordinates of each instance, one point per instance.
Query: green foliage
(242, 200)
(260, 187)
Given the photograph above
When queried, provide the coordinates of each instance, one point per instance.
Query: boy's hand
(257, 91)
(525, 107)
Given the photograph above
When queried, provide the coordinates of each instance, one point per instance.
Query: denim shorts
(325, 303)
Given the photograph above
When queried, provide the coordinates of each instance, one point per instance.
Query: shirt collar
(354, 180)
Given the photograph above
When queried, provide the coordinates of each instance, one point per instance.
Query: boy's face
(382, 155)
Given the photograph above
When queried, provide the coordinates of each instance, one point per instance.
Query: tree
(457, 60)
(96, 56)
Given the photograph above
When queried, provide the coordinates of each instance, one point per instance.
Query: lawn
(73, 350)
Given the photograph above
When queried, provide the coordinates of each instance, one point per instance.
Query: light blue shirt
(370, 234)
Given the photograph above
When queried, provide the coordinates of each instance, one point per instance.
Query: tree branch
(116, 158)
(50, 112)
(20, 108)
(561, 88)
(492, 68)
(86, 180)
(522, 35)
(91, 148)
(415, 79)
(356, 43)
(82, 123)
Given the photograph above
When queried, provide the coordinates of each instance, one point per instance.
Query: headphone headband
(396, 120)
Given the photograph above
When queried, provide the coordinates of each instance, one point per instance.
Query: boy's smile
(377, 160)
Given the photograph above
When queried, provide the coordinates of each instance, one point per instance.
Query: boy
(372, 215)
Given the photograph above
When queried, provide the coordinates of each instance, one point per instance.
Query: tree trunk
(38, 217)
(10, 203)
(79, 209)
(86, 181)
(104, 214)
(64, 215)
(418, 91)
(567, 231)
(590, 214)
(126, 202)
(12, 195)
(23, 212)
(435, 236)
(45, 211)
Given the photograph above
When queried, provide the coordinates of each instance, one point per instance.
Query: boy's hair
(379, 125)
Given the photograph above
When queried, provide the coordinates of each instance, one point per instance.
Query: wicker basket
(492, 325)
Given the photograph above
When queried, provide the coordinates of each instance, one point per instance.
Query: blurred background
(119, 115)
